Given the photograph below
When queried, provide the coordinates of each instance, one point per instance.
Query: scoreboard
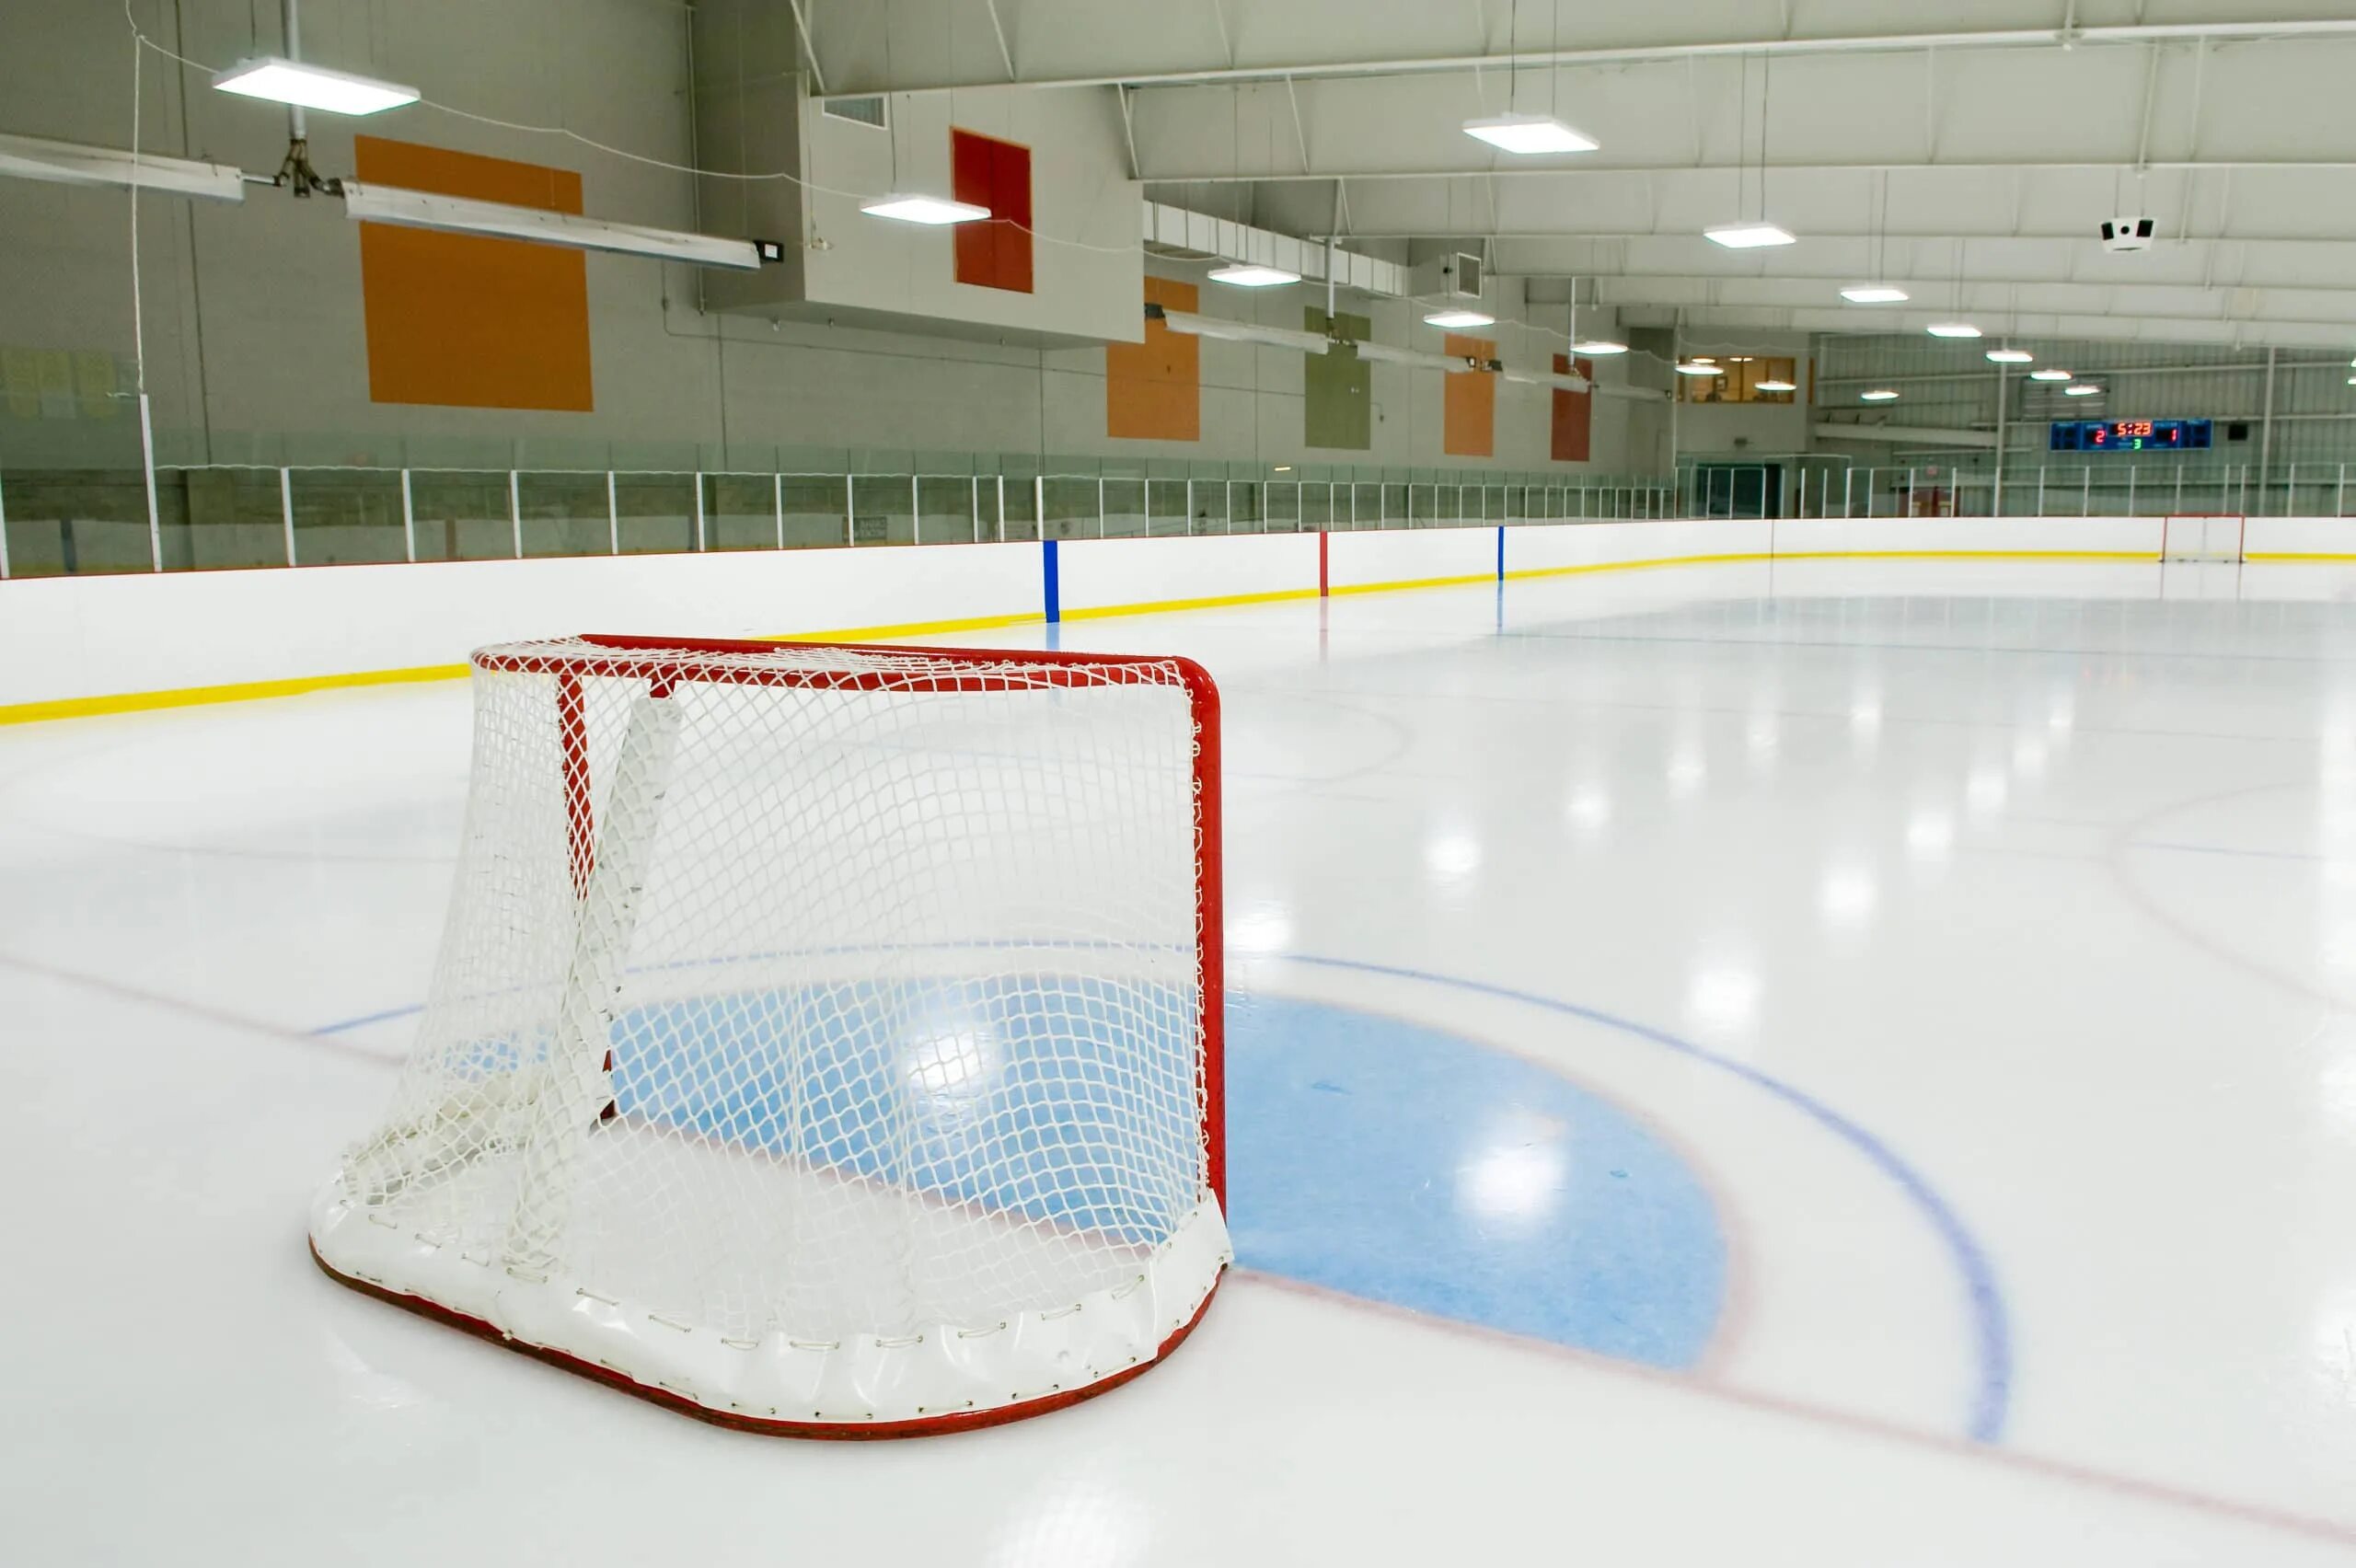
(2131, 435)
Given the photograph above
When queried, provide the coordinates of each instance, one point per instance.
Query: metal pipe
(155, 522)
(1996, 494)
(2252, 365)
(1876, 43)
(809, 50)
(1271, 176)
(2266, 432)
(291, 25)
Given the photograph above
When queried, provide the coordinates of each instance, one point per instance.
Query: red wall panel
(1574, 414)
(997, 175)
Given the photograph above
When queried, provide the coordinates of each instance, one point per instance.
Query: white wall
(63, 638)
(1101, 573)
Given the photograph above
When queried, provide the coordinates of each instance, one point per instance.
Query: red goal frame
(667, 662)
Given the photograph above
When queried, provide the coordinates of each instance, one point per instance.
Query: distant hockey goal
(2210, 536)
(824, 1040)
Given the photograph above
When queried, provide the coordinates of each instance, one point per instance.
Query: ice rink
(1826, 1063)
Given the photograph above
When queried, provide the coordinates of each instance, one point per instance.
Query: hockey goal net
(2202, 536)
(824, 1040)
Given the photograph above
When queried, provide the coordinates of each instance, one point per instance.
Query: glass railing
(1814, 486)
(74, 521)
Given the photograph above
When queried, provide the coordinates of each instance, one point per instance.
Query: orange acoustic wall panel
(1468, 425)
(997, 175)
(1153, 390)
(1574, 414)
(464, 320)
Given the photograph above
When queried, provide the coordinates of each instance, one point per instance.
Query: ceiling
(1964, 150)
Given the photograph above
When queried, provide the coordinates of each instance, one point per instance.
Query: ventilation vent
(857, 110)
(1464, 276)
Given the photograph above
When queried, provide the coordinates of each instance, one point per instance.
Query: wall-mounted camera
(2128, 234)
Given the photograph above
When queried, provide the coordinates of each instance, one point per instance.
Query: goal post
(2202, 536)
(824, 1040)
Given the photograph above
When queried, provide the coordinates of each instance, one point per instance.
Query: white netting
(807, 997)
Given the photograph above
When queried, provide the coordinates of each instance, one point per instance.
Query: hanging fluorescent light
(932, 210)
(69, 163)
(1952, 329)
(1878, 394)
(460, 215)
(1875, 293)
(1451, 364)
(1776, 386)
(1529, 134)
(2049, 375)
(1749, 237)
(2011, 356)
(1458, 318)
(1599, 348)
(311, 87)
(2084, 389)
(1700, 367)
(1194, 326)
(1246, 275)
(1549, 379)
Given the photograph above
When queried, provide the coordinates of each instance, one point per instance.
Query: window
(1740, 382)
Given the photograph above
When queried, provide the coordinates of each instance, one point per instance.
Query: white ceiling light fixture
(1878, 394)
(1458, 318)
(932, 210)
(1700, 367)
(2011, 356)
(1527, 135)
(1776, 386)
(1755, 232)
(2049, 374)
(312, 86)
(1875, 293)
(1599, 348)
(1952, 329)
(1251, 275)
(2084, 389)
(1749, 237)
